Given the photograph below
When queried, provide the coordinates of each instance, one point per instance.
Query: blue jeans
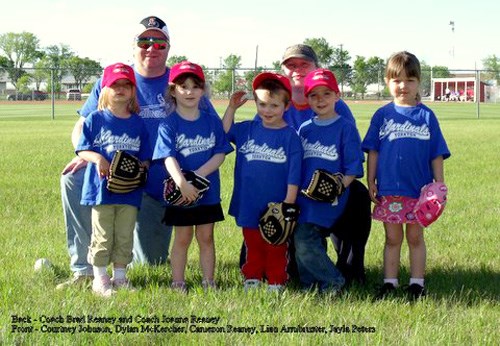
(313, 263)
(151, 237)
(77, 219)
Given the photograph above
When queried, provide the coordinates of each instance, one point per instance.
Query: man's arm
(77, 162)
(90, 105)
(77, 131)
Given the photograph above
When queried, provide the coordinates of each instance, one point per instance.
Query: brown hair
(104, 103)
(275, 88)
(181, 79)
(403, 62)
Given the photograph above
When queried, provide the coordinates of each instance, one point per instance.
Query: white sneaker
(251, 284)
(103, 286)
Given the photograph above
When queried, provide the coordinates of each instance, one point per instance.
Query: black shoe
(415, 291)
(385, 290)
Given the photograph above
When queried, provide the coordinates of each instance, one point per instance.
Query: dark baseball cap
(301, 51)
(153, 23)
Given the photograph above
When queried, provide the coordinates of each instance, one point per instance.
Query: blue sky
(206, 31)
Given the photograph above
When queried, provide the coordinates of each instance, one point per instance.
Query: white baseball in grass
(42, 263)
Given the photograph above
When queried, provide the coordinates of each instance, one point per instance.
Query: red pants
(264, 260)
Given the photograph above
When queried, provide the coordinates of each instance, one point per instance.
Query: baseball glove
(126, 173)
(431, 203)
(324, 186)
(277, 223)
(172, 193)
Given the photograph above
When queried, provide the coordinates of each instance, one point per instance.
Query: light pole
(452, 24)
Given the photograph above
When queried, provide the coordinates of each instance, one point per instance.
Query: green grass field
(462, 307)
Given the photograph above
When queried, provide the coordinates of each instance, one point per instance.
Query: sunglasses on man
(146, 42)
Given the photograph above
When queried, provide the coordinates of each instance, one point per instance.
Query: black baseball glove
(172, 193)
(324, 186)
(278, 221)
(126, 173)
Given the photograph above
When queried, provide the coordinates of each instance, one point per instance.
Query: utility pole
(452, 24)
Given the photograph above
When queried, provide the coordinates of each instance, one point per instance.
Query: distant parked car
(74, 95)
(34, 95)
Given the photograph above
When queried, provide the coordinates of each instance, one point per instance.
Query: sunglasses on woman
(146, 42)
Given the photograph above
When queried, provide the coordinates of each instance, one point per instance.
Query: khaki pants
(112, 234)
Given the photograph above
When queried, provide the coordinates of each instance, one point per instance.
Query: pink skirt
(395, 209)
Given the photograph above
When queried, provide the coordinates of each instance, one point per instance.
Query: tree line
(26, 62)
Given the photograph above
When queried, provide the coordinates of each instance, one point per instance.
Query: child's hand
(102, 167)
(237, 99)
(189, 192)
(373, 191)
(145, 164)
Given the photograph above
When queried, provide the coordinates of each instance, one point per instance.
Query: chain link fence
(440, 85)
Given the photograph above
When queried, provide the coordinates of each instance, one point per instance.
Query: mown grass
(462, 268)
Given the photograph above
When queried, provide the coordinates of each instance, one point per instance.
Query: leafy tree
(249, 76)
(175, 59)
(340, 66)
(440, 72)
(376, 69)
(322, 48)
(425, 80)
(19, 49)
(361, 76)
(23, 84)
(4, 64)
(40, 73)
(56, 57)
(226, 80)
(82, 69)
(232, 62)
(492, 64)
(276, 65)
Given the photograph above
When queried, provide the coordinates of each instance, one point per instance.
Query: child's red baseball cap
(321, 76)
(117, 71)
(274, 76)
(183, 68)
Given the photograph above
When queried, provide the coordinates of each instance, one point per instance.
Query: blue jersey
(192, 144)
(105, 134)
(407, 139)
(296, 115)
(267, 161)
(155, 107)
(335, 146)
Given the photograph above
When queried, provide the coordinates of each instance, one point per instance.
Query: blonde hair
(104, 101)
(404, 62)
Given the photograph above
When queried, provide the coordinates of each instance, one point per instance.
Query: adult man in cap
(350, 233)
(151, 237)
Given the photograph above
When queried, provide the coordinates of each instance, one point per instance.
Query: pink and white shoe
(103, 287)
